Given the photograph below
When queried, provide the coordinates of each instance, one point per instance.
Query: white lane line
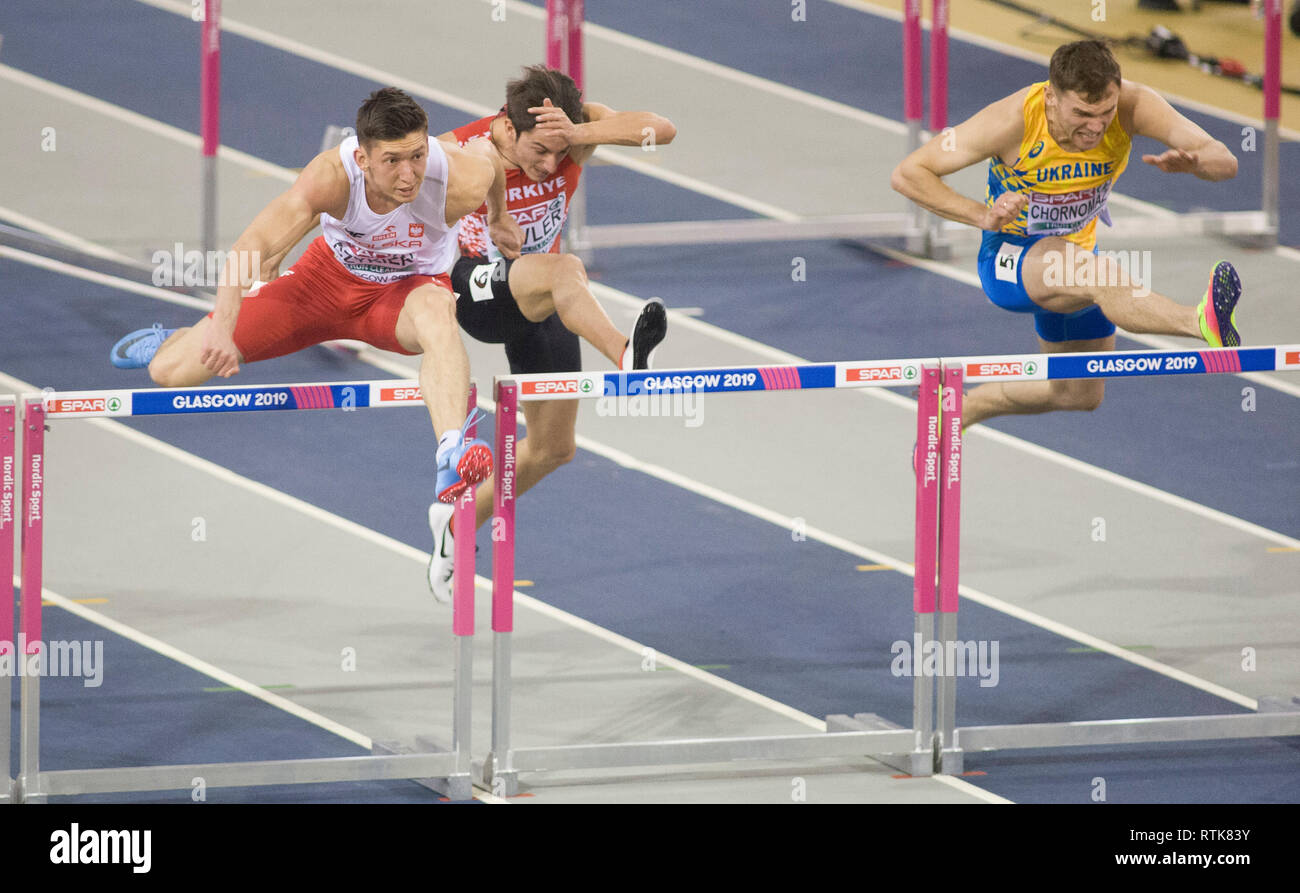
(134, 119)
(63, 236)
(66, 269)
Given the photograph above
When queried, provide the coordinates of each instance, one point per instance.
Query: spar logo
(1003, 369)
(573, 386)
(900, 372)
(405, 394)
(60, 405)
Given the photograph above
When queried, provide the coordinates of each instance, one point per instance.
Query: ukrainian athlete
(516, 289)
(388, 201)
(1055, 150)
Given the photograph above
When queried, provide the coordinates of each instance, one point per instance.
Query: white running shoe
(444, 552)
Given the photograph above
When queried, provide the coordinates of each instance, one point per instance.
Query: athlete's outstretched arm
(321, 187)
(1191, 149)
(603, 127)
(990, 131)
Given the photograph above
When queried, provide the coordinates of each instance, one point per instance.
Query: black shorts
(487, 311)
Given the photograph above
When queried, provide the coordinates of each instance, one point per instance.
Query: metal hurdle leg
(498, 771)
(29, 655)
(8, 648)
(922, 760)
(949, 750)
(459, 784)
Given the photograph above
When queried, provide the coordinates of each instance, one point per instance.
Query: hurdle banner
(448, 771)
(934, 743)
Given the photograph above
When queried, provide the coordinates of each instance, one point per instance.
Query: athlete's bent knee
(432, 311)
(554, 455)
(570, 268)
(1079, 399)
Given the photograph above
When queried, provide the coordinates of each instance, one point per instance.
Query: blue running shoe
(136, 350)
(465, 465)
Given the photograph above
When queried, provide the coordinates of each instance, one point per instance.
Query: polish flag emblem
(415, 230)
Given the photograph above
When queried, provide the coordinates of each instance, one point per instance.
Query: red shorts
(319, 300)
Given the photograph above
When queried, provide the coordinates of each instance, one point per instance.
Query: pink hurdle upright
(210, 116)
(8, 648)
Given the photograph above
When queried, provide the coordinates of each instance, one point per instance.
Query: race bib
(1007, 261)
(1064, 213)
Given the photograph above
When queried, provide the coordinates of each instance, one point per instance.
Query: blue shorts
(1003, 281)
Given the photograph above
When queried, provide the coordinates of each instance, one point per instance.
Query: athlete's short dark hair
(389, 114)
(538, 83)
(1086, 67)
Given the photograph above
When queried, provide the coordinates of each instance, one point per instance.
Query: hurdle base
(1276, 718)
(918, 764)
(456, 786)
(501, 782)
(22, 796)
(952, 761)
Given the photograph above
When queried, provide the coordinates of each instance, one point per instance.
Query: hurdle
(923, 232)
(447, 771)
(1277, 716)
(934, 744)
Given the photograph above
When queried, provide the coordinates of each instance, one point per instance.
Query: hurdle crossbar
(447, 771)
(934, 743)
